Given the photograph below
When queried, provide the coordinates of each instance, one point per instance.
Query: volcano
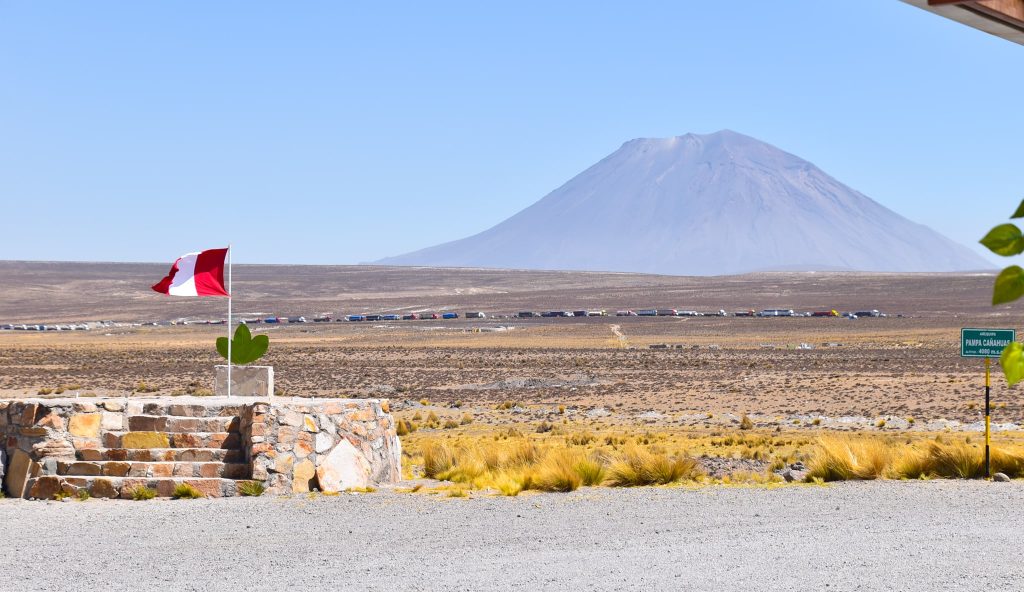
(712, 204)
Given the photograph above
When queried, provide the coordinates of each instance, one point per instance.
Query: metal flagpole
(229, 319)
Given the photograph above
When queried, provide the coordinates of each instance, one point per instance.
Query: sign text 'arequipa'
(985, 343)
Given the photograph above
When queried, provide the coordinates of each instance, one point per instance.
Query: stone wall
(331, 446)
(108, 445)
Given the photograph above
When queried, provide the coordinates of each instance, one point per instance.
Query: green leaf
(1009, 285)
(1020, 211)
(1005, 240)
(260, 344)
(1012, 361)
(222, 347)
(245, 349)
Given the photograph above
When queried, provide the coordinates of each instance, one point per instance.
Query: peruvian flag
(196, 274)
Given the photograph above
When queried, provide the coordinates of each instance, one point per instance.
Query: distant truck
(647, 312)
(450, 315)
(825, 313)
(355, 318)
(410, 317)
(390, 317)
(666, 312)
(776, 312)
(526, 314)
(868, 313)
(625, 313)
(475, 315)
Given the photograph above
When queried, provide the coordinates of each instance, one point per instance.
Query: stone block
(342, 469)
(45, 488)
(27, 416)
(309, 424)
(53, 447)
(83, 469)
(323, 442)
(284, 463)
(209, 488)
(112, 421)
(187, 410)
(246, 381)
(162, 469)
(302, 476)
(187, 441)
(91, 454)
(116, 469)
(19, 471)
(53, 421)
(183, 470)
(144, 440)
(147, 423)
(113, 405)
(85, 425)
(103, 488)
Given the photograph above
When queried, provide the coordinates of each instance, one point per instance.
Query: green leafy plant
(1007, 240)
(245, 349)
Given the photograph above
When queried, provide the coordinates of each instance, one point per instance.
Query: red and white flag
(196, 274)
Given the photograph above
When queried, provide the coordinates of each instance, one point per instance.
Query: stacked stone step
(159, 446)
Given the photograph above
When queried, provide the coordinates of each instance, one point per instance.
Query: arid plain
(904, 365)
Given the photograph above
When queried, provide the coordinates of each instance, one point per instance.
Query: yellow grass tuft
(639, 466)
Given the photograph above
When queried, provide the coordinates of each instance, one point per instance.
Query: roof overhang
(1002, 18)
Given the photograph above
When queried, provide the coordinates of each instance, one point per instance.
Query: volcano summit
(713, 204)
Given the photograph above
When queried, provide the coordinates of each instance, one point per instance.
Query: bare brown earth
(894, 366)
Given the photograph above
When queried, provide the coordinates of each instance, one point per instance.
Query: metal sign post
(988, 344)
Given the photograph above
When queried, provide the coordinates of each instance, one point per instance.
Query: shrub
(956, 460)
(438, 458)
(581, 439)
(508, 485)
(841, 459)
(591, 471)
(466, 419)
(746, 423)
(45, 391)
(141, 493)
(251, 488)
(545, 427)
(401, 428)
(451, 424)
(186, 491)
(638, 466)
(82, 495)
(557, 472)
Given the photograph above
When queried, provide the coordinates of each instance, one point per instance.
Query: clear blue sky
(325, 132)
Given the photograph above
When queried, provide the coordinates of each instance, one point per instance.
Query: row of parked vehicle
(768, 312)
(74, 327)
(525, 314)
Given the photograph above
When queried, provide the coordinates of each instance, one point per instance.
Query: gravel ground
(939, 535)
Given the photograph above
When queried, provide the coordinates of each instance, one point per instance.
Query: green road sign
(985, 343)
